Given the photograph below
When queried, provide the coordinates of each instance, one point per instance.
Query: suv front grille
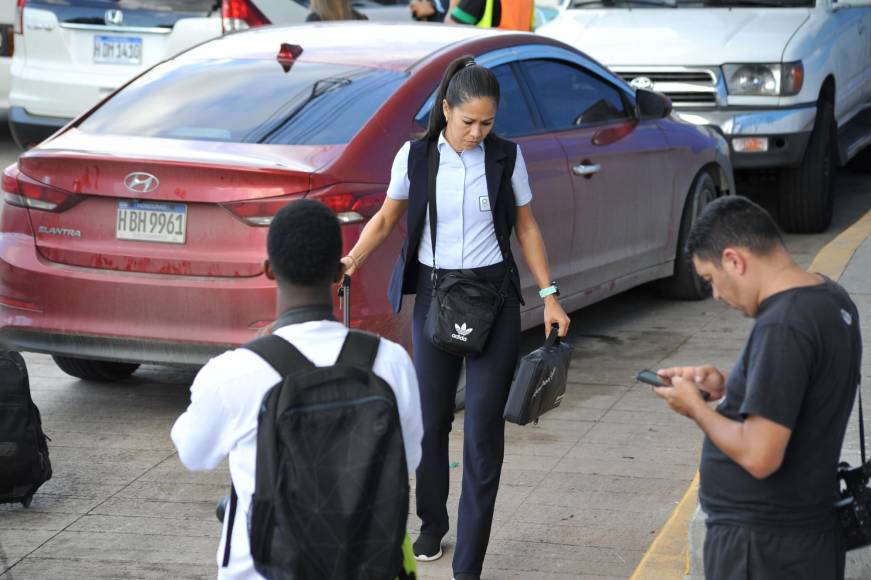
(685, 87)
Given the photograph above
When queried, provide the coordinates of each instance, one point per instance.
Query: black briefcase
(540, 381)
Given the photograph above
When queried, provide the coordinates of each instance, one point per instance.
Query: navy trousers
(488, 379)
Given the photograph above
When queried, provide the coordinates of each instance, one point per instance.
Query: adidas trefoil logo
(462, 332)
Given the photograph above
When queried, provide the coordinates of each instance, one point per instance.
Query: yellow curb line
(832, 260)
(667, 558)
(668, 555)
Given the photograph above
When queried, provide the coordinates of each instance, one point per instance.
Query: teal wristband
(545, 292)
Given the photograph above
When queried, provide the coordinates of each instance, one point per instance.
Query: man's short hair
(304, 243)
(732, 221)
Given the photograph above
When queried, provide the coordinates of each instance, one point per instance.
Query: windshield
(599, 4)
(247, 101)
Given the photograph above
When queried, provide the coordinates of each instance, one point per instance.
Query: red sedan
(137, 234)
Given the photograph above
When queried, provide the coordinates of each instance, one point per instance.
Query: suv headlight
(764, 79)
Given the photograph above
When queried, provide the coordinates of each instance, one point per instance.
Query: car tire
(95, 370)
(684, 283)
(805, 196)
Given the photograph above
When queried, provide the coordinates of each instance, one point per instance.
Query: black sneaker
(465, 576)
(427, 548)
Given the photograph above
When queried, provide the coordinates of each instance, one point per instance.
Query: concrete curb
(668, 552)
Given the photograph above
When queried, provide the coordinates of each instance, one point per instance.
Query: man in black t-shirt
(769, 461)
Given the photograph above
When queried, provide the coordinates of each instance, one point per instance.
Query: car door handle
(586, 169)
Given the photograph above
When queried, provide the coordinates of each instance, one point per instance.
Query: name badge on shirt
(484, 203)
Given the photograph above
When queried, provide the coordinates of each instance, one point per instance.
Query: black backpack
(331, 486)
(24, 463)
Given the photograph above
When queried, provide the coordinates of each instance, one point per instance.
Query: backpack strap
(279, 353)
(284, 358)
(231, 516)
(360, 349)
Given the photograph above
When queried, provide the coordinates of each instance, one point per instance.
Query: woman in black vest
(482, 194)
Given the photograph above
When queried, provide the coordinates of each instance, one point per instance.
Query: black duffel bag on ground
(540, 381)
(463, 307)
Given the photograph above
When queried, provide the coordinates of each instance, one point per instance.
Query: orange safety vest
(518, 15)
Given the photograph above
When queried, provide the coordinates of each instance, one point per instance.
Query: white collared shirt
(225, 402)
(466, 237)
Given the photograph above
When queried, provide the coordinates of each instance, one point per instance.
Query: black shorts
(743, 553)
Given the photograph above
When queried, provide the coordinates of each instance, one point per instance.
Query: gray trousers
(743, 553)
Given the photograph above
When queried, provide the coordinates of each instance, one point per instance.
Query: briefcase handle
(553, 337)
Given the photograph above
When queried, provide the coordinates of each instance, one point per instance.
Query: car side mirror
(651, 105)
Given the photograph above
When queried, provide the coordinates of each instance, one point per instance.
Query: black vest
(499, 158)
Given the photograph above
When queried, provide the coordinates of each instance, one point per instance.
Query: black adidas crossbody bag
(463, 307)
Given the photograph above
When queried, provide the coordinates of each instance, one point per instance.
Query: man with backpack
(322, 426)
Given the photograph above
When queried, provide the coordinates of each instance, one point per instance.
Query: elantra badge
(70, 233)
(140, 182)
(641, 83)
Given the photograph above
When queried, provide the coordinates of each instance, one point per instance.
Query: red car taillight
(349, 207)
(259, 212)
(240, 15)
(19, 16)
(20, 190)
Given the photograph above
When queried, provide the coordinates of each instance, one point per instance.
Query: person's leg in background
(488, 380)
(437, 375)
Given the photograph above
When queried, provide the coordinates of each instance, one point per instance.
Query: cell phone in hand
(651, 378)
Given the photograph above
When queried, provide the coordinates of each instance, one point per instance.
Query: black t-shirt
(799, 368)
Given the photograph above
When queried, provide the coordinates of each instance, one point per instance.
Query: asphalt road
(583, 493)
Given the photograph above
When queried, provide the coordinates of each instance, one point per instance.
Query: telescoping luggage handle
(345, 300)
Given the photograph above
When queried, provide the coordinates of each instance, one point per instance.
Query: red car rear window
(247, 101)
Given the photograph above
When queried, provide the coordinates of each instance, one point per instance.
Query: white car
(7, 16)
(787, 82)
(70, 54)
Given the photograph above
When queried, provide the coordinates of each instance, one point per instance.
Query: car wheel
(95, 370)
(685, 284)
(804, 198)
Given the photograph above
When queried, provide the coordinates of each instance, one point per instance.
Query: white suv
(7, 14)
(787, 82)
(70, 54)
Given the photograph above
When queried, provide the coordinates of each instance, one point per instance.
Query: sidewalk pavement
(600, 476)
